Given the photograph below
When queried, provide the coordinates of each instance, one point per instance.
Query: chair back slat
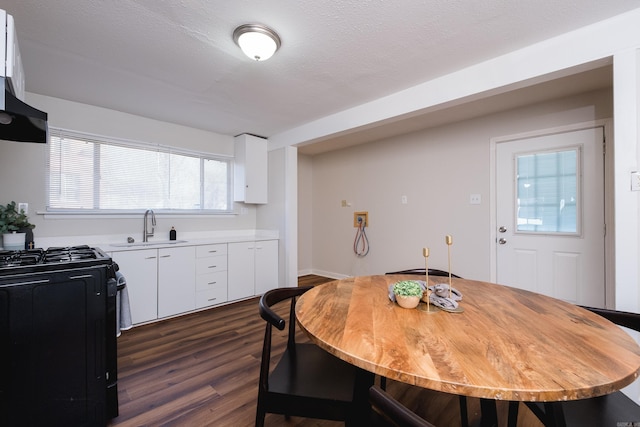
(622, 318)
(422, 272)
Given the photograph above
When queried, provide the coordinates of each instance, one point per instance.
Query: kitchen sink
(154, 243)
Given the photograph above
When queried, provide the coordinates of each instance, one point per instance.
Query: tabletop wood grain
(508, 344)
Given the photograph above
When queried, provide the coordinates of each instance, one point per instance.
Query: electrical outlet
(475, 199)
(357, 216)
(23, 207)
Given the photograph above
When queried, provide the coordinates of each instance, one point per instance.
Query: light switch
(635, 181)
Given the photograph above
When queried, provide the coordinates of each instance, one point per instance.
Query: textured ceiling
(176, 61)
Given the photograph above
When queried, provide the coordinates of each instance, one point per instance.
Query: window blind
(89, 173)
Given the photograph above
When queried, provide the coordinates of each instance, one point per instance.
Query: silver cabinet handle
(502, 241)
(165, 256)
(33, 282)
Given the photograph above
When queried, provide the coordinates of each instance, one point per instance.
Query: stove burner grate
(72, 253)
(17, 258)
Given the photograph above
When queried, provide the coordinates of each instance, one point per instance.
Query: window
(94, 174)
(547, 192)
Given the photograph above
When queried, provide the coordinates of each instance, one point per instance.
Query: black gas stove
(54, 258)
(58, 363)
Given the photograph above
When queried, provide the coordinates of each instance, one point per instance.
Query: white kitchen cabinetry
(250, 169)
(168, 281)
(211, 275)
(266, 263)
(176, 280)
(252, 268)
(140, 268)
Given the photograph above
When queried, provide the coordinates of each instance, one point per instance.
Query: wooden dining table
(507, 343)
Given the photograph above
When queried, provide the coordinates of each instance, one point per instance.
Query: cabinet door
(54, 346)
(250, 171)
(176, 280)
(240, 270)
(266, 262)
(140, 268)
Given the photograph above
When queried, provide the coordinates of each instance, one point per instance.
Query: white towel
(123, 309)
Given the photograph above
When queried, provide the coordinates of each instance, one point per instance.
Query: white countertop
(159, 243)
(117, 243)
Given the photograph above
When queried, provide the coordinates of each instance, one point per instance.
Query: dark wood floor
(202, 370)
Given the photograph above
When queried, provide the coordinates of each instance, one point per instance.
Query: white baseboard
(322, 273)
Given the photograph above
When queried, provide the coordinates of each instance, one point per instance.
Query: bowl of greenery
(408, 293)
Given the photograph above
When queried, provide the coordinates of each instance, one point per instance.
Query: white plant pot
(407, 302)
(13, 241)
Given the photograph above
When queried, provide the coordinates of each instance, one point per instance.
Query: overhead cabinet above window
(250, 169)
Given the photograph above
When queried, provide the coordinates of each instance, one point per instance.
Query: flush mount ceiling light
(256, 41)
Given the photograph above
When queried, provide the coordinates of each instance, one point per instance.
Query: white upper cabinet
(10, 54)
(250, 169)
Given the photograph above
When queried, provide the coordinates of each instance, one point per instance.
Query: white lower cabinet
(266, 263)
(211, 275)
(176, 280)
(252, 268)
(140, 268)
(165, 282)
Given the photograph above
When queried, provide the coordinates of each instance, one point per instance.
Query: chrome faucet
(145, 233)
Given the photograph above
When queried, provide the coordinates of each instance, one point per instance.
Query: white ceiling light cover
(257, 41)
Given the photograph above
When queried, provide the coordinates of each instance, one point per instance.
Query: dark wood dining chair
(608, 410)
(464, 416)
(307, 381)
(388, 412)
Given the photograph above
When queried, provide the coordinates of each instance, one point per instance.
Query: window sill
(134, 215)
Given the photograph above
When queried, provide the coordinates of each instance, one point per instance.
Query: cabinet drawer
(211, 280)
(216, 295)
(211, 264)
(211, 250)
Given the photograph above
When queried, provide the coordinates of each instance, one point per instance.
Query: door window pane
(547, 192)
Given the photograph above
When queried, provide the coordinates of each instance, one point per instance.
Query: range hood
(18, 121)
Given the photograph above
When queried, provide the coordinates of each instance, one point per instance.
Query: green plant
(408, 288)
(13, 220)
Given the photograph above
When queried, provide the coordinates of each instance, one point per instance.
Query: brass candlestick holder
(425, 254)
(449, 240)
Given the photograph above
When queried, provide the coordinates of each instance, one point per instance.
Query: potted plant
(408, 293)
(14, 225)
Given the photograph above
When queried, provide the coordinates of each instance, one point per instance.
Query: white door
(550, 215)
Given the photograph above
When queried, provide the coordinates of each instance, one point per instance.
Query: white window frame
(99, 139)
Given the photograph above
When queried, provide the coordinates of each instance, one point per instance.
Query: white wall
(437, 169)
(305, 214)
(279, 213)
(23, 177)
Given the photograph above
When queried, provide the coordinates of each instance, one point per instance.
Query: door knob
(502, 229)
(502, 241)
